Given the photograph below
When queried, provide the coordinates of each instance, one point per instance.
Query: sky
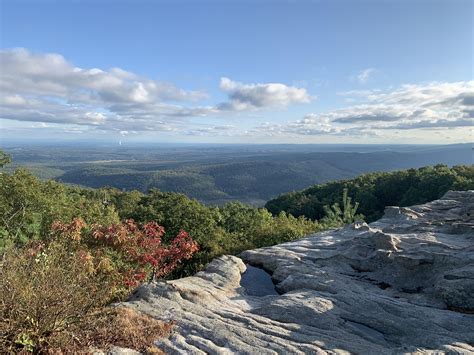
(237, 71)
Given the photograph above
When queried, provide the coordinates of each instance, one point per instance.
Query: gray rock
(116, 350)
(403, 284)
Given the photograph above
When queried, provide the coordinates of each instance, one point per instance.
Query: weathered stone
(116, 350)
(402, 284)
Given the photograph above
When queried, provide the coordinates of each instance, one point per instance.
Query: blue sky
(238, 71)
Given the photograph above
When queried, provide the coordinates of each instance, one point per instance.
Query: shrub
(131, 252)
(4, 159)
(54, 292)
(124, 327)
(47, 290)
(285, 228)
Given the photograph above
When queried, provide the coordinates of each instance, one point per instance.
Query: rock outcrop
(403, 284)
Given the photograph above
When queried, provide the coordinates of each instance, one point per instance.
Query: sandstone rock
(403, 284)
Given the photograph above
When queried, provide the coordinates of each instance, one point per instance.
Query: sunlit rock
(402, 284)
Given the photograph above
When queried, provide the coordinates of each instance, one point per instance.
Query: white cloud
(364, 75)
(213, 131)
(310, 125)
(24, 72)
(431, 106)
(442, 123)
(14, 100)
(47, 88)
(256, 96)
(40, 87)
(410, 104)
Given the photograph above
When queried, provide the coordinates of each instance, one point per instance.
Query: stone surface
(403, 284)
(116, 350)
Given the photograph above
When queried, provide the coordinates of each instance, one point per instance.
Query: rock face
(402, 284)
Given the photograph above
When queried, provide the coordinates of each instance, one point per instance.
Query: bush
(54, 292)
(47, 291)
(130, 252)
(124, 327)
(286, 228)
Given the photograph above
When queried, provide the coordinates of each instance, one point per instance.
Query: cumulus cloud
(41, 87)
(45, 87)
(443, 123)
(256, 96)
(310, 125)
(368, 113)
(24, 72)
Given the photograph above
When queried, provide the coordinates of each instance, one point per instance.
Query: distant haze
(216, 174)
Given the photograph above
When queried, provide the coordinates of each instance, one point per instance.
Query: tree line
(374, 191)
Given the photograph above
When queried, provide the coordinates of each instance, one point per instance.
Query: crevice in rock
(367, 331)
(460, 310)
(359, 269)
(453, 277)
(383, 285)
(419, 289)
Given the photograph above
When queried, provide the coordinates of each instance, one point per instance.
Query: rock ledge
(403, 284)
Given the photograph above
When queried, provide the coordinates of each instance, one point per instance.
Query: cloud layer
(47, 88)
(431, 106)
(50, 74)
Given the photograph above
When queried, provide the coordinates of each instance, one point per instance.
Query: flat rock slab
(403, 284)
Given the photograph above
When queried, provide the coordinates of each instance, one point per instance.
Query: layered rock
(402, 284)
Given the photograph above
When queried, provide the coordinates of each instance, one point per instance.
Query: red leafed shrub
(55, 290)
(54, 302)
(133, 252)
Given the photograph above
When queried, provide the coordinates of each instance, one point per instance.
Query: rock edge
(402, 284)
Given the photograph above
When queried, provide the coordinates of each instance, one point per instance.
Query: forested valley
(217, 174)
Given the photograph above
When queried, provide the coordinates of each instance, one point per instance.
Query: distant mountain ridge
(215, 175)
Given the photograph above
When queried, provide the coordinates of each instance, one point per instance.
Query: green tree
(29, 206)
(375, 191)
(285, 228)
(337, 216)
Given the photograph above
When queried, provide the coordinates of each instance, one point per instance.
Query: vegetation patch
(55, 292)
(375, 191)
